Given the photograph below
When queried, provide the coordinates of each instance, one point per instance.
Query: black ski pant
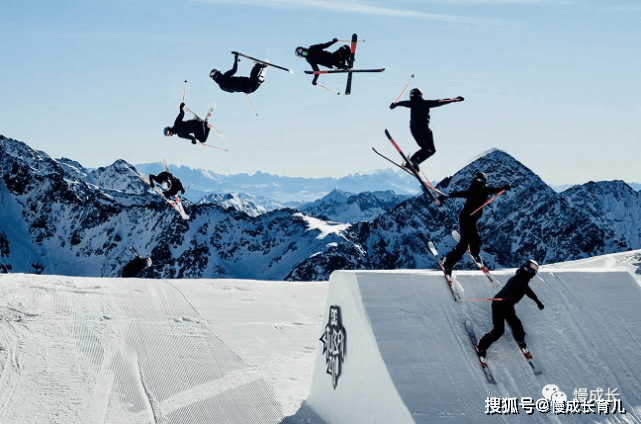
(502, 311)
(255, 79)
(469, 237)
(425, 139)
(341, 57)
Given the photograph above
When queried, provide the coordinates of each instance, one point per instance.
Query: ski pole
(482, 299)
(251, 104)
(404, 88)
(217, 131)
(327, 88)
(192, 184)
(486, 203)
(184, 91)
(349, 41)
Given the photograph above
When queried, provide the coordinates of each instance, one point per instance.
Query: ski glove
(392, 106)
(460, 98)
(335, 40)
(540, 305)
(442, 198)
(182, 105)
(507, 187)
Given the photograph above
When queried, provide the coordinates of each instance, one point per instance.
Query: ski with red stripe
(486, 369)
(426, 186)
(348, 88)
(455, 287)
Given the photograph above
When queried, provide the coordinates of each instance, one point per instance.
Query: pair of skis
(536, 369)
(427, 187)
(176, 204)
(350, 68)
(206, 121)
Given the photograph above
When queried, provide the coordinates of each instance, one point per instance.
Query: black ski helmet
(531, 267)
(167, 131)
(301, 52)
(481, 177)
(415, 92)
(213, 74)
(149, 263)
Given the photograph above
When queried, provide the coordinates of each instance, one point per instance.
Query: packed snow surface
(107, 350)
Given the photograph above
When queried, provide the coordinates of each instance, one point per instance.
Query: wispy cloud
(336, 6)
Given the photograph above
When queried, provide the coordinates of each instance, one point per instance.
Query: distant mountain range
(60, 218)
(285, 191)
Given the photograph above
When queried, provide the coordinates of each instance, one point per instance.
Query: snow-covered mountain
(341, 206)
(60, 218)
(529, 221)
(284, 190)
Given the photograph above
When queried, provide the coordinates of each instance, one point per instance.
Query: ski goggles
(532, 268)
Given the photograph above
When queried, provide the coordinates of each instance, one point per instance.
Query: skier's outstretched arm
(323, 46)
(442, 102)
(233, 70)
(529, 293)
(316, 69)
(180, 116)
(404, 103)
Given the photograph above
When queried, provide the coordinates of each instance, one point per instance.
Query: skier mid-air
(170, 184)
(476, 195)
(503, 310)
(228, 82)
(194, 129)
(136, 265)
(317, 55)
(419, 123)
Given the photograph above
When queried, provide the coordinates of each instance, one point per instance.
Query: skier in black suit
(228, 82)
(476, 195)
(419, 123)
(136, 265)
(185, 129)
(170, 184)
(317, 55)
(503, 310)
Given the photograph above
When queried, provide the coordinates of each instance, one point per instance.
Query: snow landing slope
(408, 359)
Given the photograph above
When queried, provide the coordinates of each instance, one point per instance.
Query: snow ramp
(395, 349)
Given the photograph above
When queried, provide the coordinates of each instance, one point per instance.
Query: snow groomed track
(406, 357)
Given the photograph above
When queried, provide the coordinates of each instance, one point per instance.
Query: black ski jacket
(476, 195)
(185, 129)
(176, 185)
(316, 55)
(228, 82)
(420, 109)
(517, 287)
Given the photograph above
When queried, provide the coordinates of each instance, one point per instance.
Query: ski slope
(407, 347)
(92, 350)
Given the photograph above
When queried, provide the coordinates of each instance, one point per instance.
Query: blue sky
(553, 83)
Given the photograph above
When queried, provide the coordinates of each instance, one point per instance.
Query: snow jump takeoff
(419, 123)
(194, 129)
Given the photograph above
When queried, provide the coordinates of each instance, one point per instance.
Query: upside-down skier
(476, 195)
(170, 184)
(503, 310)
(193, 129)
(419, 123)
(317, 55)
(228, 82)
